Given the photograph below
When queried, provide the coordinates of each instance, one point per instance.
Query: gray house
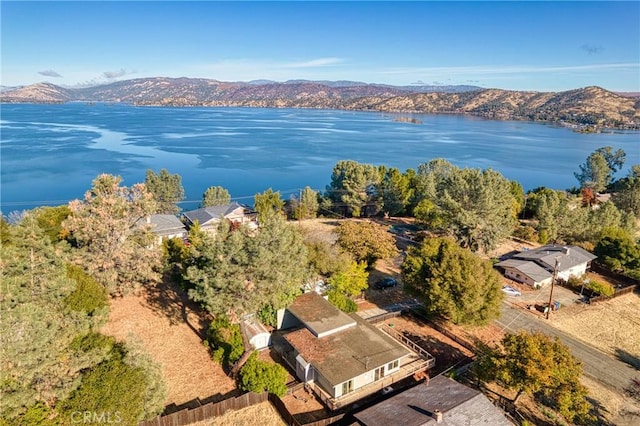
(210, 217)
(535, 267)
(164, 226)
(440, 400)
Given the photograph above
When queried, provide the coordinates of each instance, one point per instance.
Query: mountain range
(590, 106)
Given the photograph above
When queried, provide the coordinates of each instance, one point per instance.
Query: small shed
(257, 333)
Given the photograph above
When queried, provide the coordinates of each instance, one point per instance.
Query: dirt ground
(263, 414)
(167, 327)
(612, 326)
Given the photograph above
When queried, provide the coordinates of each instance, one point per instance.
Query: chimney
(437, 415)
(148, 219)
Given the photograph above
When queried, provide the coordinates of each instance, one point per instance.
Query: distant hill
(581, 107)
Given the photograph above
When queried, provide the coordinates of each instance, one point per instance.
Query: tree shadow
(446, 355)
(628, 358)
(197, 402)
(167, 299)
(598, 411)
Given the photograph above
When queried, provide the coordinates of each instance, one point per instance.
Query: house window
(347, 387)
(393, 365)
(379, 373)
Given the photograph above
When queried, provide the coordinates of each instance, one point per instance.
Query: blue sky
(544, 46)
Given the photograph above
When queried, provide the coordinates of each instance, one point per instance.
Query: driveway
(596, 364)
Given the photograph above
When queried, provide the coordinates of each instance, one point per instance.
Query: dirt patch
(303, 401)
(620, 410)
(171, 339)
(263, 414)
(612, 326)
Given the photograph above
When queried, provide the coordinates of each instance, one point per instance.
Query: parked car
(386, 283)
(510, 291)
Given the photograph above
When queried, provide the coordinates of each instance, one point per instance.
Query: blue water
(51, 153)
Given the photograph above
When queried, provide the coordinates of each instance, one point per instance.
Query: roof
(163, 223)
(460, 406)
(568, 256)
(206, 214)
(253, 327)
(530, 269)
(342, 356)
(318, 315)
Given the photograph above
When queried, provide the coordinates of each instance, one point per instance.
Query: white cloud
(476, 70)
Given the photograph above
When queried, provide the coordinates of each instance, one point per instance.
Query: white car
(510, 291)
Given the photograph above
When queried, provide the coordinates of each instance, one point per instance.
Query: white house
(340, 353)
(535, 267)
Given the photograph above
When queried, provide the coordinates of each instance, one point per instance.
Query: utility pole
(553, 281)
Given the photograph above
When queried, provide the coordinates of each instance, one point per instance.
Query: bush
(526, 232)
(258, 376)
(225, 340)
(342, 302)
(599, 287)
(89, 296)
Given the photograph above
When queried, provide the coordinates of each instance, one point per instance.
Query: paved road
(596, 364)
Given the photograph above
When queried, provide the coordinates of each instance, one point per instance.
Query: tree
(326, 258)
(366, 241)
(50, 220)
(453, 282)
(238, 272)
(538, 365)
(353, 186)
(618, 251)
(258, 376)
(167, 190)
(268, 204)
(112, 246)
(215, 196)
(347, 284)
(598, 170)
(307, 206)
(395, 191)
(627, 192)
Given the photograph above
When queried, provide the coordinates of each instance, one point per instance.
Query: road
(601, 366)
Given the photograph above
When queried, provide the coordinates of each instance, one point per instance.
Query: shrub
(342, 302)
(526, 232)
(225, 340)
(599, 287)
(258, 376)
(89, 296)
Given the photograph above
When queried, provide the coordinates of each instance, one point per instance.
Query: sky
(540, 46)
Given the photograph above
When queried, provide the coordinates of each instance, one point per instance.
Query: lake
(51, 153)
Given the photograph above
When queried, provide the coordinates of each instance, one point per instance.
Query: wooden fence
(207, 411)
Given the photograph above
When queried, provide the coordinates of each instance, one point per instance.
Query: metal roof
(206, 214)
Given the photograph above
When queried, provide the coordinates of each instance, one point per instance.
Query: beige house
(164, 226)
(535, 267)
(210, 217)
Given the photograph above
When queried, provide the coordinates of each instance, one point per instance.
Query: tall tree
(167, 190)
(307, 206)
(215, 196)
(366, 241)
(353, 186)
(598, 170)
(453, 282)
(540, 366)
(395, 191)
(627, 192)
(112, 246)
(268, 204)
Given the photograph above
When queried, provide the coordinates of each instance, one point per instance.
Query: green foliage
(50, 220)
(477, 207)
(627, 192)
(225, 341)
(237, 272)
(258, 376)
(215, 196)
(268, 315)
(341, 301)
(89, 296)
(307, 206)
(602, 288)
(167, 190)
(538, 365)
(366, 241)
(5, 232)
(597, 171)
(618, 252)
(268, 204)
(352, 281)
(38, 414)
(527, 233)
(395, 191)
(325, 258)
(453, 282)
(112, 247)
(353, 186)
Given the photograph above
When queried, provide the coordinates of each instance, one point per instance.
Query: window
(393, 365)
(347, 387)
(379, 373)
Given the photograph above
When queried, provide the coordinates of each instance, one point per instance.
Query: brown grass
(262, 414)
(171, 341)
(611, 326)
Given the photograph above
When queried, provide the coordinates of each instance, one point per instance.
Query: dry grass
(620, 410)
(262, 414)
(171, 341)
(612, 326)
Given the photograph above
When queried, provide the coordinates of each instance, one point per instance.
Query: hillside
(581, 107)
